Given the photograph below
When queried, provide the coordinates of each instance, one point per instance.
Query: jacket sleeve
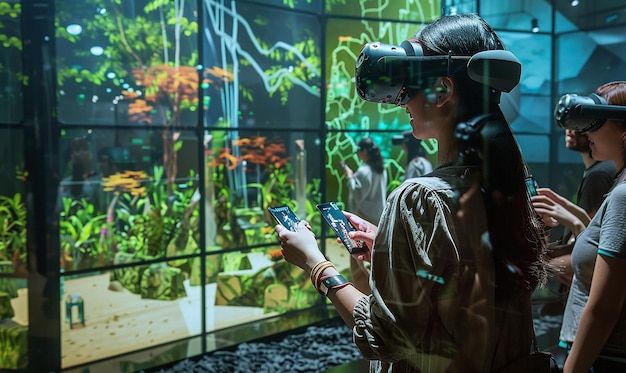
(414, 274)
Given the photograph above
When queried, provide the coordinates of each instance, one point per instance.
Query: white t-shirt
(367, 193)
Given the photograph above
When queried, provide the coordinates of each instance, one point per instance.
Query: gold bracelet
(316, 267)
(318, 270)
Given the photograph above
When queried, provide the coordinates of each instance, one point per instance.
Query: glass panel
(13, 253)
(10, 63)
(536, 149)
(249, 171)
(259, 76)
(566, 155)
(113, 68)
(588, 60)
(521, 15)
(459, 6)
(252, 285)
(300, 5)
(127, 196)
(103, 317)
(412, 11)
(535, 53)
(341, 146)
(589, 15)
(344, 108)
(528, 113)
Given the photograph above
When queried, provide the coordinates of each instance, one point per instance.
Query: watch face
(331, 283)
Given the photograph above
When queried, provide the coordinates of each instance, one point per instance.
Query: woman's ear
(444, 88)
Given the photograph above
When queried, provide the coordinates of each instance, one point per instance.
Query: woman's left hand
(300, 247)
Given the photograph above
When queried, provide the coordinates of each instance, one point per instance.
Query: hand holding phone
(531, 185)
(285, 217)
(340, 224)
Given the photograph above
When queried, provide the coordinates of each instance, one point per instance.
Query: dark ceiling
(592, 14)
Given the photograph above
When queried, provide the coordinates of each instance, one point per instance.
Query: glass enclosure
(143, 141)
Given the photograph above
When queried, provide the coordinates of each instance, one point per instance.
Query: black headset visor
(585, 114)
(393, 74)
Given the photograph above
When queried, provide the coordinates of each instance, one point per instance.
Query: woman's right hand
(554, 214)
(568, 205)
(365, 231)
(300, 247)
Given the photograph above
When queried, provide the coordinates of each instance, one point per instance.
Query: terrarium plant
(13, 230)
(142, 218)
(80, 228)
(267, 170)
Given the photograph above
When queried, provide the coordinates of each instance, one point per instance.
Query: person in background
(106, 162)
(597, 180)
(457, 253)
(367, 191)
(417, 163)
(594, 326)
(83, 181)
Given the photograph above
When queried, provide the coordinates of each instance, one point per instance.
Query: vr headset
(585, 114)
(393, 74)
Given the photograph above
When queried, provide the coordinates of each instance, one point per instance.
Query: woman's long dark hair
(516, 235)
(374, 157)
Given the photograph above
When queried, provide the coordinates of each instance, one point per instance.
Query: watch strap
(332, 282)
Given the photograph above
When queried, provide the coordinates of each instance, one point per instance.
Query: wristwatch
(332, 282)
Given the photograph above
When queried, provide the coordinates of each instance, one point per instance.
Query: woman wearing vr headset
(457, 253)
(594, 326)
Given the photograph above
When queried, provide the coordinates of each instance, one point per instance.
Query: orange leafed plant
(127, 181)
(258, 150)
(255, 150)
(165, 87)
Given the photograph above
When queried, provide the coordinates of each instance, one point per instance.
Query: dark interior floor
(313, 342)
(327, 348)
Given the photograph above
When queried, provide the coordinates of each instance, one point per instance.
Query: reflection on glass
(251, 172)
(344, 109)
(113, 69)
(341, 146)
(13, 252)
(518, 15)
(118, 205)
(412, 11)
(128, 309)
(11, 75)
(247, 286)
(587, 60)
(263, 68)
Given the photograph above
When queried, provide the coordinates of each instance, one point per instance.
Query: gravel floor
(316, 350)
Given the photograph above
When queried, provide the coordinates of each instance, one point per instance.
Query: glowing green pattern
(348, 118)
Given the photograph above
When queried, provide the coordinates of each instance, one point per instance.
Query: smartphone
(531, 185)
(284, 216)
(340, 224)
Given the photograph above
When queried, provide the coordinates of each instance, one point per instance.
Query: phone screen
(284, 216)
(340, 224)
(532, 186)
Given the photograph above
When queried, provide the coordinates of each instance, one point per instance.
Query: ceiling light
(534, 24)
(574, 3)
